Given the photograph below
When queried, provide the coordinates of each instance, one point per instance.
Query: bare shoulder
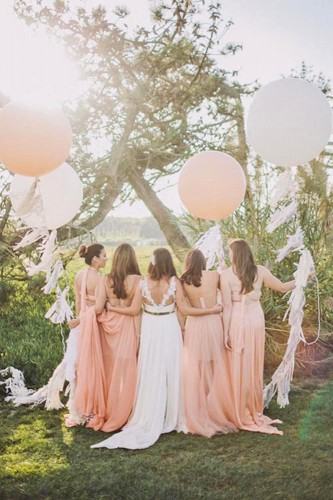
(262, 270)
(179, 284)
(210, 273)
(225, 274)
(137, 280)
(78, 276)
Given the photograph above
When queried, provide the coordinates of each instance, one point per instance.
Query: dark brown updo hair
(243, 264)
(88, 252)
(194, 265)
(124, 262)
(163, 265)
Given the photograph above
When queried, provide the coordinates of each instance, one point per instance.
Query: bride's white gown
(158, 402)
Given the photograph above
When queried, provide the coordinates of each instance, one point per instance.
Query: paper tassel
(60, 310)
(49, 394)
(55, 275)
(284, 186)
(281, 216)
(295, 242)
(46, 252)
(15, 384)
(30, 202)
(211, 246)
(282, 377)
(71, 354)
(30, 237)
(54, 387)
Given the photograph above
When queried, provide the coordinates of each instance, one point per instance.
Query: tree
(153, 96)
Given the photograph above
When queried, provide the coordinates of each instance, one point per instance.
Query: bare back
(130, 283)
(236, 285)
(92, 281)
(231, 285)
(205, 295)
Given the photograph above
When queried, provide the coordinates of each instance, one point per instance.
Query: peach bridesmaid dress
(118, 333)
(206, 384)
(89, 398)
(106, 366)
(247, 339)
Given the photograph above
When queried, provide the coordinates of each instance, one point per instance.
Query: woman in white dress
(158, 402)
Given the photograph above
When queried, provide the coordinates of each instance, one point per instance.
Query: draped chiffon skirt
(207, 392)
(247, 338)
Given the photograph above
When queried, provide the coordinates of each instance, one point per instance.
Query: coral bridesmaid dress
(89, 399)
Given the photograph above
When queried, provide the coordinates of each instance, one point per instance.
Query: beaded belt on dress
(159, 310)
(158, 313)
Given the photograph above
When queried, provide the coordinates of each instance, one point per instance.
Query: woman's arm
(274, 283)
(134, 308)
(227, 307)
(186, 309)
(100, 296)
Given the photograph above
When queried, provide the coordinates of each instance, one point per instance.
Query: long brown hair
(162, 266)
(243, 264)
(88, 252)
(194, 265)
(124, 262)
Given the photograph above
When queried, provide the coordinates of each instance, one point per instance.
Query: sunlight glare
(33, 68)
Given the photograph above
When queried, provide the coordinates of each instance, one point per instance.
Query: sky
(277, 35)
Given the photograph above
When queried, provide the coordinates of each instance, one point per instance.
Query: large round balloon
(49, 201)
(289, 122)
(211, 185)
(33, 141)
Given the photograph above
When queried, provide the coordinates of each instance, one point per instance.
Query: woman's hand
(217, 309)
(227, 342)
(73, 323)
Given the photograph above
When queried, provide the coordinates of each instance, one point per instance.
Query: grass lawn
(40, 458)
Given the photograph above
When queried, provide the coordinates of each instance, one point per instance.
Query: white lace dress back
(158, 405)
(162, 307)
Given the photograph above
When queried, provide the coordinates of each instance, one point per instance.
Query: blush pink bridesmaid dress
(206, 384)
(246, 363)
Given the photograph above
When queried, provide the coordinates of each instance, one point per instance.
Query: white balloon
(289, 122)
(50, 201)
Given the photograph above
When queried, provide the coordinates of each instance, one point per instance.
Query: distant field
(143, 256)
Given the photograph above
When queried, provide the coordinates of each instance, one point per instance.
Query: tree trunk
(165, 218)
(242, 156)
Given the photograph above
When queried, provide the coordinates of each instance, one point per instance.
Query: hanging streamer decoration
(211, 245)
(59, 312)
(286, 187)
